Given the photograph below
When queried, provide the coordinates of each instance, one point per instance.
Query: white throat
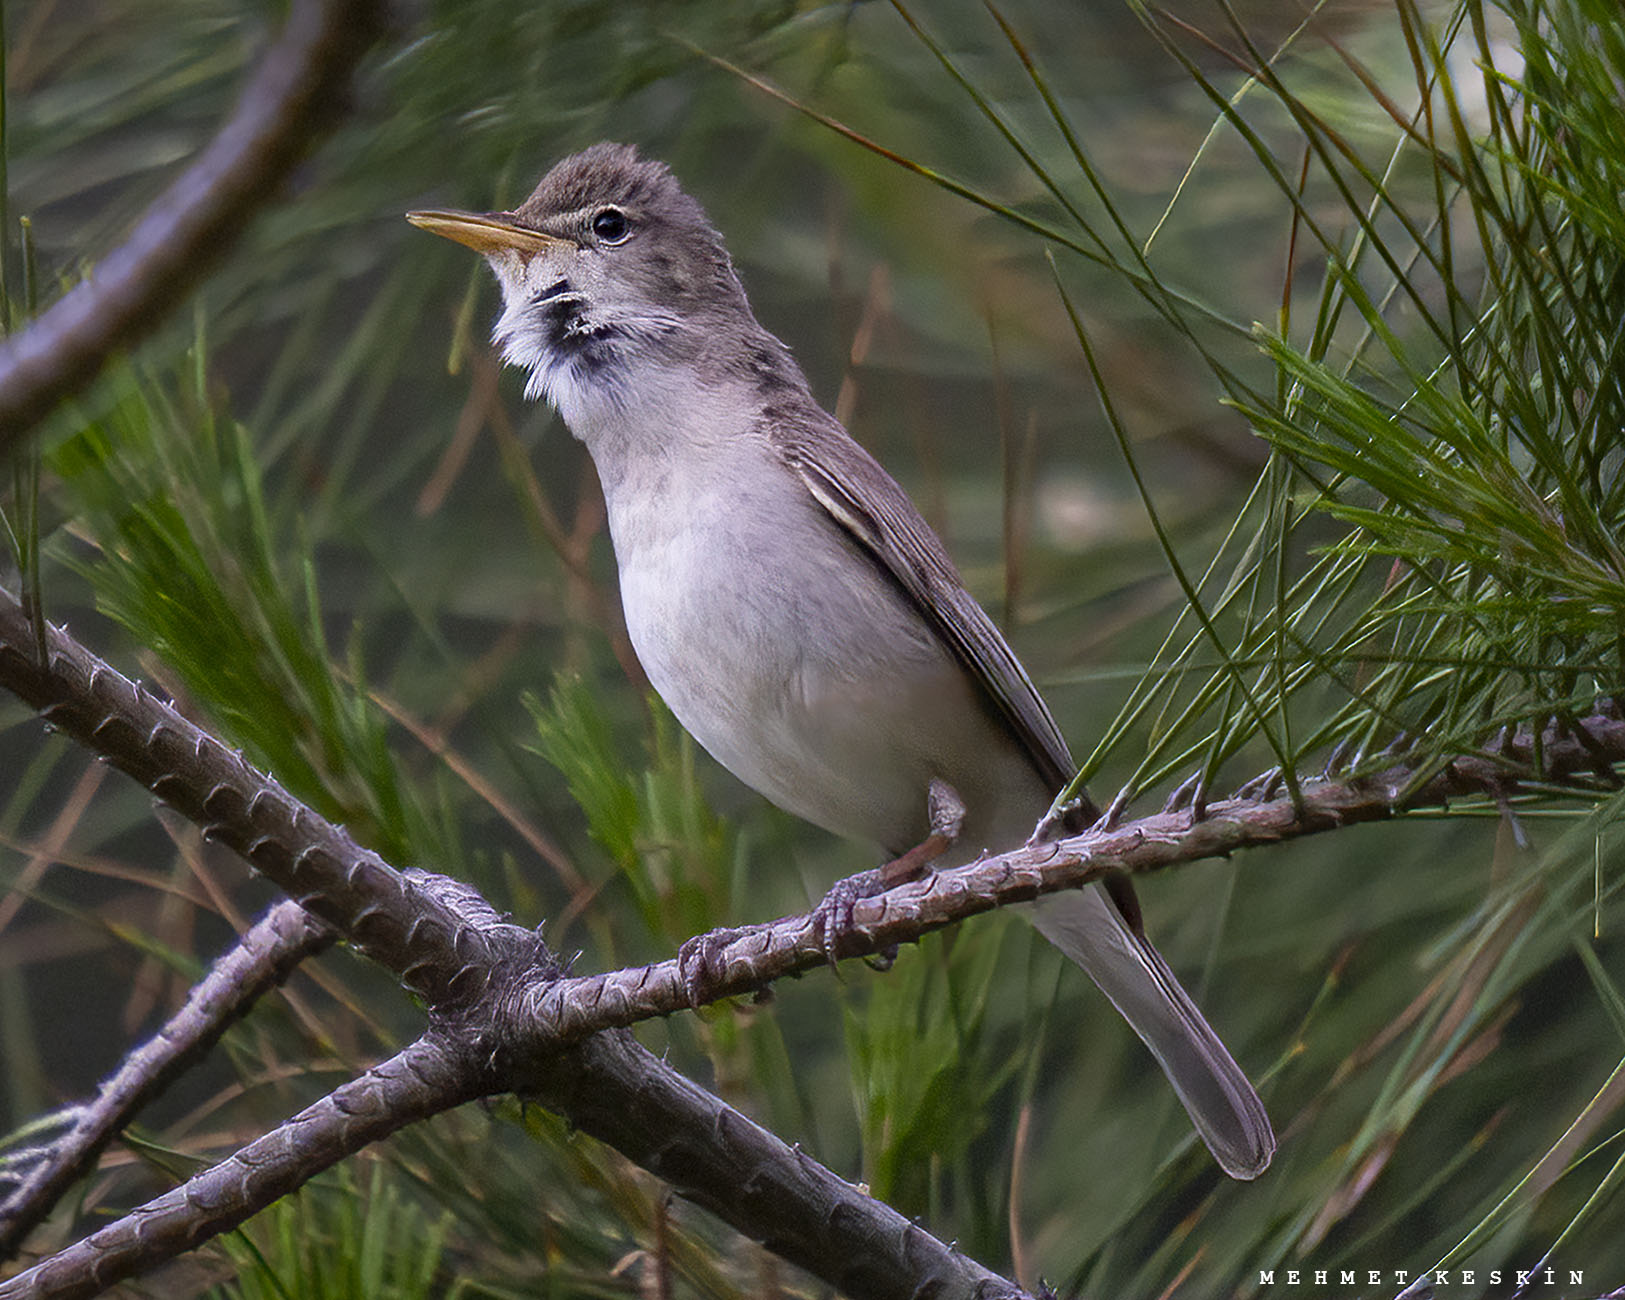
(584, 355)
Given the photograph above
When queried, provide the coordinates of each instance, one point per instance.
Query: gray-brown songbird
(785, 597)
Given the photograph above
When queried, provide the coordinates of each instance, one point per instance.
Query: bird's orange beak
(484, 232)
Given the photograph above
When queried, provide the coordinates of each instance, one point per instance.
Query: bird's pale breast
(766, 631)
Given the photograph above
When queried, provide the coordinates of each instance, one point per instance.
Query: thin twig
(427, 1078)
(435, 949)
(292, 98)
(419, 926)
(746, 960)
(262, 958)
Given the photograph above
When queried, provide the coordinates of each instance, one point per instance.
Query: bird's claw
(1344, 755)
(700, 966)
(832, 918)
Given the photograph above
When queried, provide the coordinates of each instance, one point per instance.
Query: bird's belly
(744, 659)
(819, 685)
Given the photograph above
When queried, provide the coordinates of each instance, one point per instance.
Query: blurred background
(316, 512)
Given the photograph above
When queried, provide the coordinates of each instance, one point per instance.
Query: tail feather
(1222, 1104)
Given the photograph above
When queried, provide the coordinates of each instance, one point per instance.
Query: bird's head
(607, 266)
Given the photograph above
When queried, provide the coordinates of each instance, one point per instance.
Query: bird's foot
(832, 918)
(700, 965)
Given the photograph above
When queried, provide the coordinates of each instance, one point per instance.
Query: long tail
(1227, 1113)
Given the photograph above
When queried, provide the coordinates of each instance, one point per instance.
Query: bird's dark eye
(610, 225)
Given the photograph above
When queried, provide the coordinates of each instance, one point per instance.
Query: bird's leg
(699, 960)
(833, 916)
(947, 818)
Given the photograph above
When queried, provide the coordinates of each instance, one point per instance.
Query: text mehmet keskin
(1436, 1278)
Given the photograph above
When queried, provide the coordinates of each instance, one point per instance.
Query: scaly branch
(261, 959)
(425, 1079)
(431, 945)
(473, 968)
(744, 961)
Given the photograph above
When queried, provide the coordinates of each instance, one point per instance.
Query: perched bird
(785, 597)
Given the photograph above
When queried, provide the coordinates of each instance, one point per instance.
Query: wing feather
(865, 501)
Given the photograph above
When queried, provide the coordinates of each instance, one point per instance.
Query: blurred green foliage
(317, 514)
(333, 1240)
